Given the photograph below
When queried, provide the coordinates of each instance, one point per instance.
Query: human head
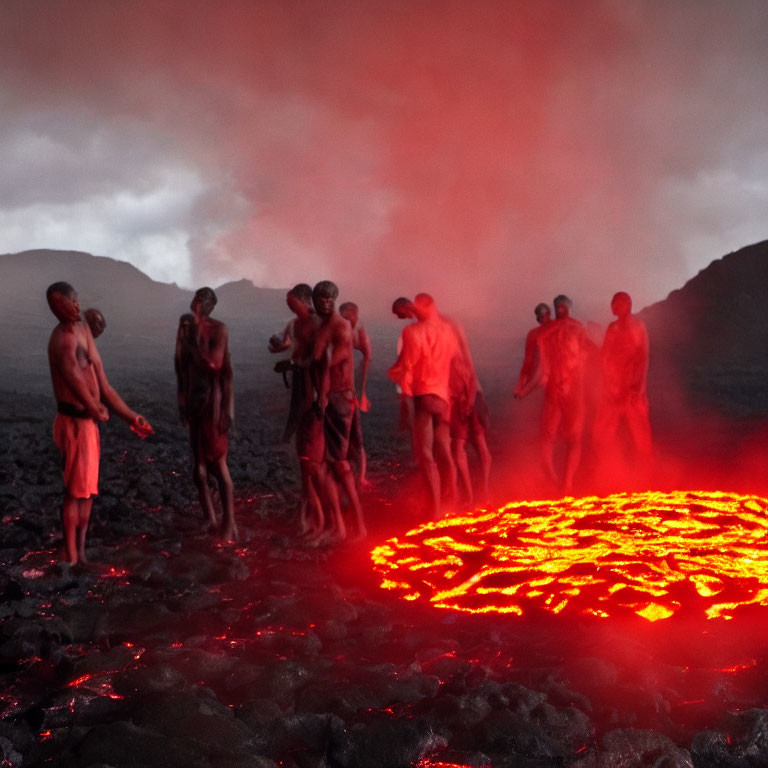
(621, 304)
(349, 311)
(542, 313)
(423, 306)
(324, 296)
(562, 306)
(300, 294)
(62, 299)
(205, 300)
(96, 322)
(402, 308)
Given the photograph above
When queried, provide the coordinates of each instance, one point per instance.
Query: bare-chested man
(83, 395)
(563, 347)
(362, 342)
(206, 403)
(305, 417)
(423, 370)
(543, 318)
(96, 322)
(336, 392)
(624, 365)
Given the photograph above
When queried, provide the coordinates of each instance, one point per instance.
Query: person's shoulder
(410, 330)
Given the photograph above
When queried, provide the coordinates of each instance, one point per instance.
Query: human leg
(220, 471)
(84, 516)
(550, 420)
(459, 452)
(423, 439)
(70, 518)
(442, 451)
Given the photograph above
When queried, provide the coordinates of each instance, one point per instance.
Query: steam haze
(492, 153)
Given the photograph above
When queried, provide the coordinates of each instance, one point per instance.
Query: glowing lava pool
(654, 554)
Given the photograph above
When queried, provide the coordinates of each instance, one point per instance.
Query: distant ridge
(142, 314)
(712, 334)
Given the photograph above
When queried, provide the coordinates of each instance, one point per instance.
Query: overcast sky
(492, 153)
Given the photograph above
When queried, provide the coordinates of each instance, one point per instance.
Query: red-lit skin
(465, 386)
(422, 370)
(79, 379)
(563, 346)
(362, 342)
(315, 481)
(211, 344)
(96, 322)
(543, 318)
(624, 361)
(334, 344)
(403, 310)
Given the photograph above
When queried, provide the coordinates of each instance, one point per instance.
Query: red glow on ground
(649, 553)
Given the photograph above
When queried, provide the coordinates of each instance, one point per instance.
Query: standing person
(469, 417)
(543, 318)
(206, 403)
(336, 392)
(362, 342)
(96, 322)
(624, 365)
(563, 347)
(83, 394)
(305, 418)
(423, 371)
(299, 301)
(403, 310)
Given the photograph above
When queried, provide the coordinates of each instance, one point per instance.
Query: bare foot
(229, 534)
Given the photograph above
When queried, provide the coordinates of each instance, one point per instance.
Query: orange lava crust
(650, 553)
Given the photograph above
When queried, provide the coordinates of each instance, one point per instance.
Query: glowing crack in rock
(650, 553)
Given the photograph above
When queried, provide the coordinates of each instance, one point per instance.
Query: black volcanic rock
(711, 335)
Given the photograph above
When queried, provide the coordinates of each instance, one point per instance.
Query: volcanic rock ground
(173, 650)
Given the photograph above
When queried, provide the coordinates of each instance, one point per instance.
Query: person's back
(429, 348)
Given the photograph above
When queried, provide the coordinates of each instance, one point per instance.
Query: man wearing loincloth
(423, 370)
(83, 395)
(305, 417)
(206, 403)
(336, 393)
(361, 341)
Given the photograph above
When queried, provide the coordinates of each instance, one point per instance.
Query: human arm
(539, 373)
(67, 370)
(278, 344)
(112, 399)
(529, 363)
(401, 372)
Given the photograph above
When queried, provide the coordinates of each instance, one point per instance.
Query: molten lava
(650, 553)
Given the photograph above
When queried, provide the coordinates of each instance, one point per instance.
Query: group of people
(441, 401)
(557, 353)
(325, 409)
